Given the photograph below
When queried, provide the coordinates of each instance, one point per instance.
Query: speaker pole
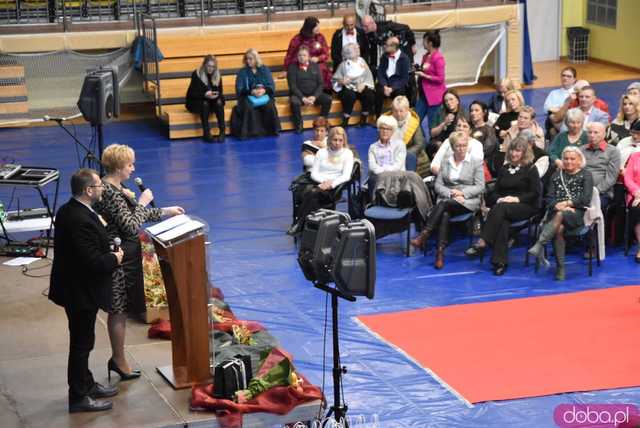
(338, 410)
(100, 147)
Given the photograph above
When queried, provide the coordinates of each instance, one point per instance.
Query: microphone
(55, 119)
(142, 188)
(116, 244)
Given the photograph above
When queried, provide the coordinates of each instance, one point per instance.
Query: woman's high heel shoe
(111, 366)
(475, 250)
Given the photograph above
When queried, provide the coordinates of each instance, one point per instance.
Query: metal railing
(20, 12)
(146, 28)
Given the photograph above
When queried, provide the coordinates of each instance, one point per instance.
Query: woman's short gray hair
(575, 149)
(574, 114)
(350, 51)
(388, 121)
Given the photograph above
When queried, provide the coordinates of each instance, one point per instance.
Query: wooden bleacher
(183, 54)
(14, 106)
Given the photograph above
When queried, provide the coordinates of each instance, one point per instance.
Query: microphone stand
(89, 156)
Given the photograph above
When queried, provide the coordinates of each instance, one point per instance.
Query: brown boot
(439, 263)
(419, 241)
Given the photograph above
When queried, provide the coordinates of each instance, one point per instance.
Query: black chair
(352, 187)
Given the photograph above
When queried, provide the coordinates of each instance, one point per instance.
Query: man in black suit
(378, 33)
(393, 73)
(306, 88)
(81, 283)
(349, 33)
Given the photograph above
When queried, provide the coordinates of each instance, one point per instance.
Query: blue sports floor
(240, 189)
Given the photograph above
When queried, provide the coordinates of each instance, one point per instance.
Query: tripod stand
(89, 156)
(338, 409)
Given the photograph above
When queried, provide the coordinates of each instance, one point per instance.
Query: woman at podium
(124, 215)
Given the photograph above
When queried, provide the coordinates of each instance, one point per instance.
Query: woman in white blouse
(353, 81)
(475, 147)
(332, 167)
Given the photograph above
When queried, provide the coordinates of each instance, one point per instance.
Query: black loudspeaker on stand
(99, 101)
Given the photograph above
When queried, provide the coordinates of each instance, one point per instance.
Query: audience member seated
(634, 89)
(498, 102)
(476, 150)
(568, 196)
(379, 32)
(410, 132)
(602, 161)
(255, 114)
(557, 97)
(388, 153)
(393, 73)
(445, 121)
(352, 81)
(205, 96)
(526, 120)
(348, 34)
(459, 187)
(481, 130)
(590, 100)
(318, 141)
(514, 198)
(431, 79)
(628, 113)
(306, 88)
(514, 101)
(575, 135)
(311, 38)
(332, 167)
(629, 145)
(632, 184)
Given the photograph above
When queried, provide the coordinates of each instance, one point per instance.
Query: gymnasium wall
(617, 45)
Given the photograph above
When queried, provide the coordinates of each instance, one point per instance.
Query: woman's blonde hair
(338, 130)
(117, 156)
(508, 84)
(401, 102)
(202, 72)
(521, 144)
(634, 100)
(457, 137)
(575, 149)
(518, 94)
(256, 56)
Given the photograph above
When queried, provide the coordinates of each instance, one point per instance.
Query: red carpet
(524, 347)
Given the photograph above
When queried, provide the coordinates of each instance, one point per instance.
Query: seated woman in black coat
(205, 96)
(255, 115)
(515, 198)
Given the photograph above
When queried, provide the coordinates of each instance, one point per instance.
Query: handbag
(232, 375)
(258, 101)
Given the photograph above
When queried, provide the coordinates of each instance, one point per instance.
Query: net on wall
(54, 79)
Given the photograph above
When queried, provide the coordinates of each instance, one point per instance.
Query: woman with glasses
(124, 215)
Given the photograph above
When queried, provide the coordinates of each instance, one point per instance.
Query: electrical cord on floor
(26, 269)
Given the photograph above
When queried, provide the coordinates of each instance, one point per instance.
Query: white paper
(168, 224)
(20, 261)
(179, 231)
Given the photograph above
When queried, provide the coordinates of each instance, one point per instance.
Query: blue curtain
(527, 63)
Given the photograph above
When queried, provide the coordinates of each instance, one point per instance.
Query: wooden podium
(182, 261)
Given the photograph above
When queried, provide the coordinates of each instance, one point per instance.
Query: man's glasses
(96, 185)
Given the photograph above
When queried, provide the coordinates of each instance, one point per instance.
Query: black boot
(559, 250)
(345, 122)
(222, 136)
(206, 135)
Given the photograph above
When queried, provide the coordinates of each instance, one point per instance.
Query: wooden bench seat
(184, 124)
(173, 68)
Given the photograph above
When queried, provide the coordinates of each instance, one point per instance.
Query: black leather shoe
(475, 251)
(101, 391)
(299, 129)
(499, 269)
(88, 404)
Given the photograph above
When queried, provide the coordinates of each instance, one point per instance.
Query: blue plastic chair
(403, 216)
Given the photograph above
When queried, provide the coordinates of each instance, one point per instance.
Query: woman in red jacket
(431, 74)
(311, 37)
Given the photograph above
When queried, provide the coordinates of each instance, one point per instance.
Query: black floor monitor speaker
(99, 100)
(354, 259)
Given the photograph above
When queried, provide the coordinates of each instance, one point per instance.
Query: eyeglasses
(386, 129)
(96, 185)
(568, 76)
